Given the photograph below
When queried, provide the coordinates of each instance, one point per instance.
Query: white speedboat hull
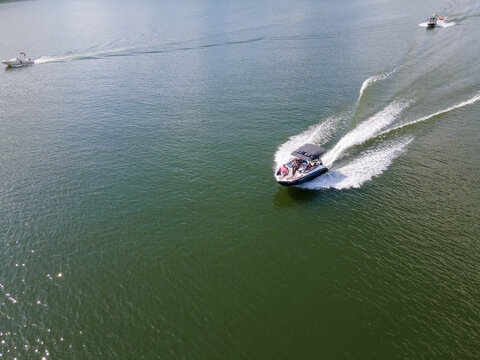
(300, 178)
(16, 62)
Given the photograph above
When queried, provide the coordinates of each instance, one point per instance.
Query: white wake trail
(459, 105)
(370, 164)
(87, 55)
(365, 131)
(373, 79)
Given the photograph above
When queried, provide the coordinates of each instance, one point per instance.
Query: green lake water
(139, 216)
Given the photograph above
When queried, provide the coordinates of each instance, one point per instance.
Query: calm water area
(139, 216)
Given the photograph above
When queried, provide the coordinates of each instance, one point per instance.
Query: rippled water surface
(139, 217)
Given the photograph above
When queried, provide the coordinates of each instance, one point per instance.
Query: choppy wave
(371, 163)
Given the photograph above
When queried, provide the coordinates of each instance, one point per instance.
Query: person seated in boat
(296, 164)
(309, 166)
(283, 170)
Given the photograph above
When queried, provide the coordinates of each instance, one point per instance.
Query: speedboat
(303, 166)
(432, 22)
(22, 60)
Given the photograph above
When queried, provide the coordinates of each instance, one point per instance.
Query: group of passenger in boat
(298, 165)
(304, 165)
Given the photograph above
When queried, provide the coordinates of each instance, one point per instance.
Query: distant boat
(304, 166)
(22, 60)
(432, 22)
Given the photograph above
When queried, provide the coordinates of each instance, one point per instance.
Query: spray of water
(369, 164)
(317, 134)
(365, 131)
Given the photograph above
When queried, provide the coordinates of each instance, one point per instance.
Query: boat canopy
(309, 152)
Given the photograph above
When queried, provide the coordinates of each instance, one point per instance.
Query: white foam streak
(89, 55)
(459, 105)
(440, 23)
(444, 24)
(366, 130)
(373, 79)
(48, 59)
(355, 173)
(317, 134)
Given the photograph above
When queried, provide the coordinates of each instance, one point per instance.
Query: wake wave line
(365, 131)
(370, 164)
(84, 56)
(459, 105)
(373, 79)
(135, 50)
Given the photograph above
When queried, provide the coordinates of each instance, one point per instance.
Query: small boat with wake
(22, 60)
(304, 166)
